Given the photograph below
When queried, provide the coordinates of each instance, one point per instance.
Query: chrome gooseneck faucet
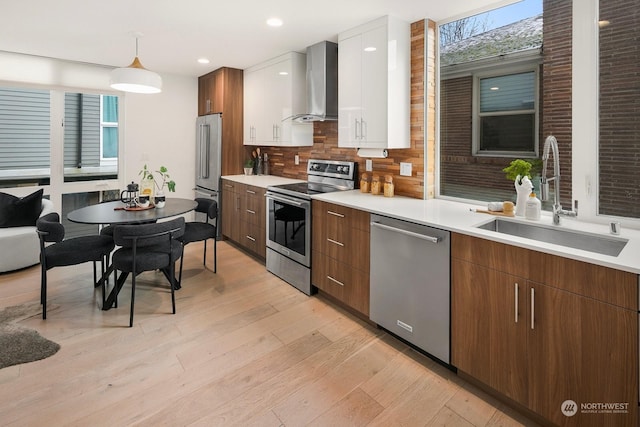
(552, 142)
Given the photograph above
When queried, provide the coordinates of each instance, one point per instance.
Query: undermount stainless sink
(597, 243)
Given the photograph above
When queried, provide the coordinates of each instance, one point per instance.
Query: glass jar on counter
(365, 183)
(376, 185)
(388, 186)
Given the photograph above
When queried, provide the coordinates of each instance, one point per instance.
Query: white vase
(523, 190)
(160, 199)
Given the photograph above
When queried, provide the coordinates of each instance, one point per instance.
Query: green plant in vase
(519, 171)
(163, 173)
(248, 167)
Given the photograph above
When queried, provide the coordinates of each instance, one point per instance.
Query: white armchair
(20, 246)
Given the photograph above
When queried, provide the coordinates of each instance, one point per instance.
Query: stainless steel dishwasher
(410, 288)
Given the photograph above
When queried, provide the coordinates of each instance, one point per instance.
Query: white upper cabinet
(374, 85)
(274, 91)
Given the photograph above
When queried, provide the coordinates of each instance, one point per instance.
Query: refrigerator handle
(204, 150)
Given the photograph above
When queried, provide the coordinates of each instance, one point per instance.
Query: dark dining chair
(55, 251)
(196, 231)
(148, 247)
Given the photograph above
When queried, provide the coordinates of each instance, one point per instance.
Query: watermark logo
(569, 408)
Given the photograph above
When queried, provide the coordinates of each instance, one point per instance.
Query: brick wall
(325, 134)
(619, 150)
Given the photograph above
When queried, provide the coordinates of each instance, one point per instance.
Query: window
(492, 69)
(90, 136)
(505, 115)
(109, 129)
(619, 109)
(25, 135)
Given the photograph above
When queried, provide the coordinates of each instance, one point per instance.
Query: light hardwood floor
(244, 348)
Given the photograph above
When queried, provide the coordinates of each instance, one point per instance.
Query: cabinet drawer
(343, 282)
(505, 258)
(255, 206)
(253, 238)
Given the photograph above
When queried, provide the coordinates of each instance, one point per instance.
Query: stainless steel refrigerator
(208, 156)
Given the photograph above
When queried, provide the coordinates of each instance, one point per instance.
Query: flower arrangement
(163, 172)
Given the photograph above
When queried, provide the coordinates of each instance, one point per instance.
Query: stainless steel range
(289, 219)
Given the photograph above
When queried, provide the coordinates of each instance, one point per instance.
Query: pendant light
(135, 78)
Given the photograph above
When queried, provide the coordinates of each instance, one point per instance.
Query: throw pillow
(18, 212)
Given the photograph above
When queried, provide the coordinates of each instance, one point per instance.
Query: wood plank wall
(325, 134)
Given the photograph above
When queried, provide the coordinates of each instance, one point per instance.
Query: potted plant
(248, 167)
(519, 171)
(163, 172)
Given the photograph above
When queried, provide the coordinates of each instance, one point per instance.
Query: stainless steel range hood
(322, 83)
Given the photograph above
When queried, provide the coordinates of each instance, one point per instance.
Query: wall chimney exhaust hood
(322, 83)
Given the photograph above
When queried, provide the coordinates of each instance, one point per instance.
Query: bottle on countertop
(388, 186)
(376, 185)
(365, 183)
(533, 207)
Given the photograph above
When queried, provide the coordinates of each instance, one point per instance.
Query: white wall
(159, 129)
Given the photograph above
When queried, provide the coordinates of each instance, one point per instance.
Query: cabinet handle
(251, 238)
(251, 192)
(251, 212)
(533, 307)
(363, 129)
(228, 186)
(356, 129)
(515, 288)
(335, 281)
(335, 214)
(335, 242)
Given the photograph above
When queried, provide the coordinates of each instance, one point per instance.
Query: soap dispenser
(533, 207)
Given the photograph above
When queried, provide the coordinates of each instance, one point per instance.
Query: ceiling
(177, 33)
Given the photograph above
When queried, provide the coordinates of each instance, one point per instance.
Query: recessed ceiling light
(274, 22)
(370, 49)
(203, 60)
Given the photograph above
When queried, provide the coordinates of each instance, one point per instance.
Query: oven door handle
(284, 199)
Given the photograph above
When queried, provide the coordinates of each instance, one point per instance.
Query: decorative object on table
(19, 344)
(248, 167)
(159, 198)
(519, 172)
(128, 196)
(142, 201)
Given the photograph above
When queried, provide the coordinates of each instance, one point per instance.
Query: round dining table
(115, 212)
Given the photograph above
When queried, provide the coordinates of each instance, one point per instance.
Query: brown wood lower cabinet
(340, 253)
(243, 216)
(539, 344)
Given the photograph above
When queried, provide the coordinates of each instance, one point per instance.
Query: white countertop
(457, 217)
(261, 180)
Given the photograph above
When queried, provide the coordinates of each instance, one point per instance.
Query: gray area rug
(19, 344)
